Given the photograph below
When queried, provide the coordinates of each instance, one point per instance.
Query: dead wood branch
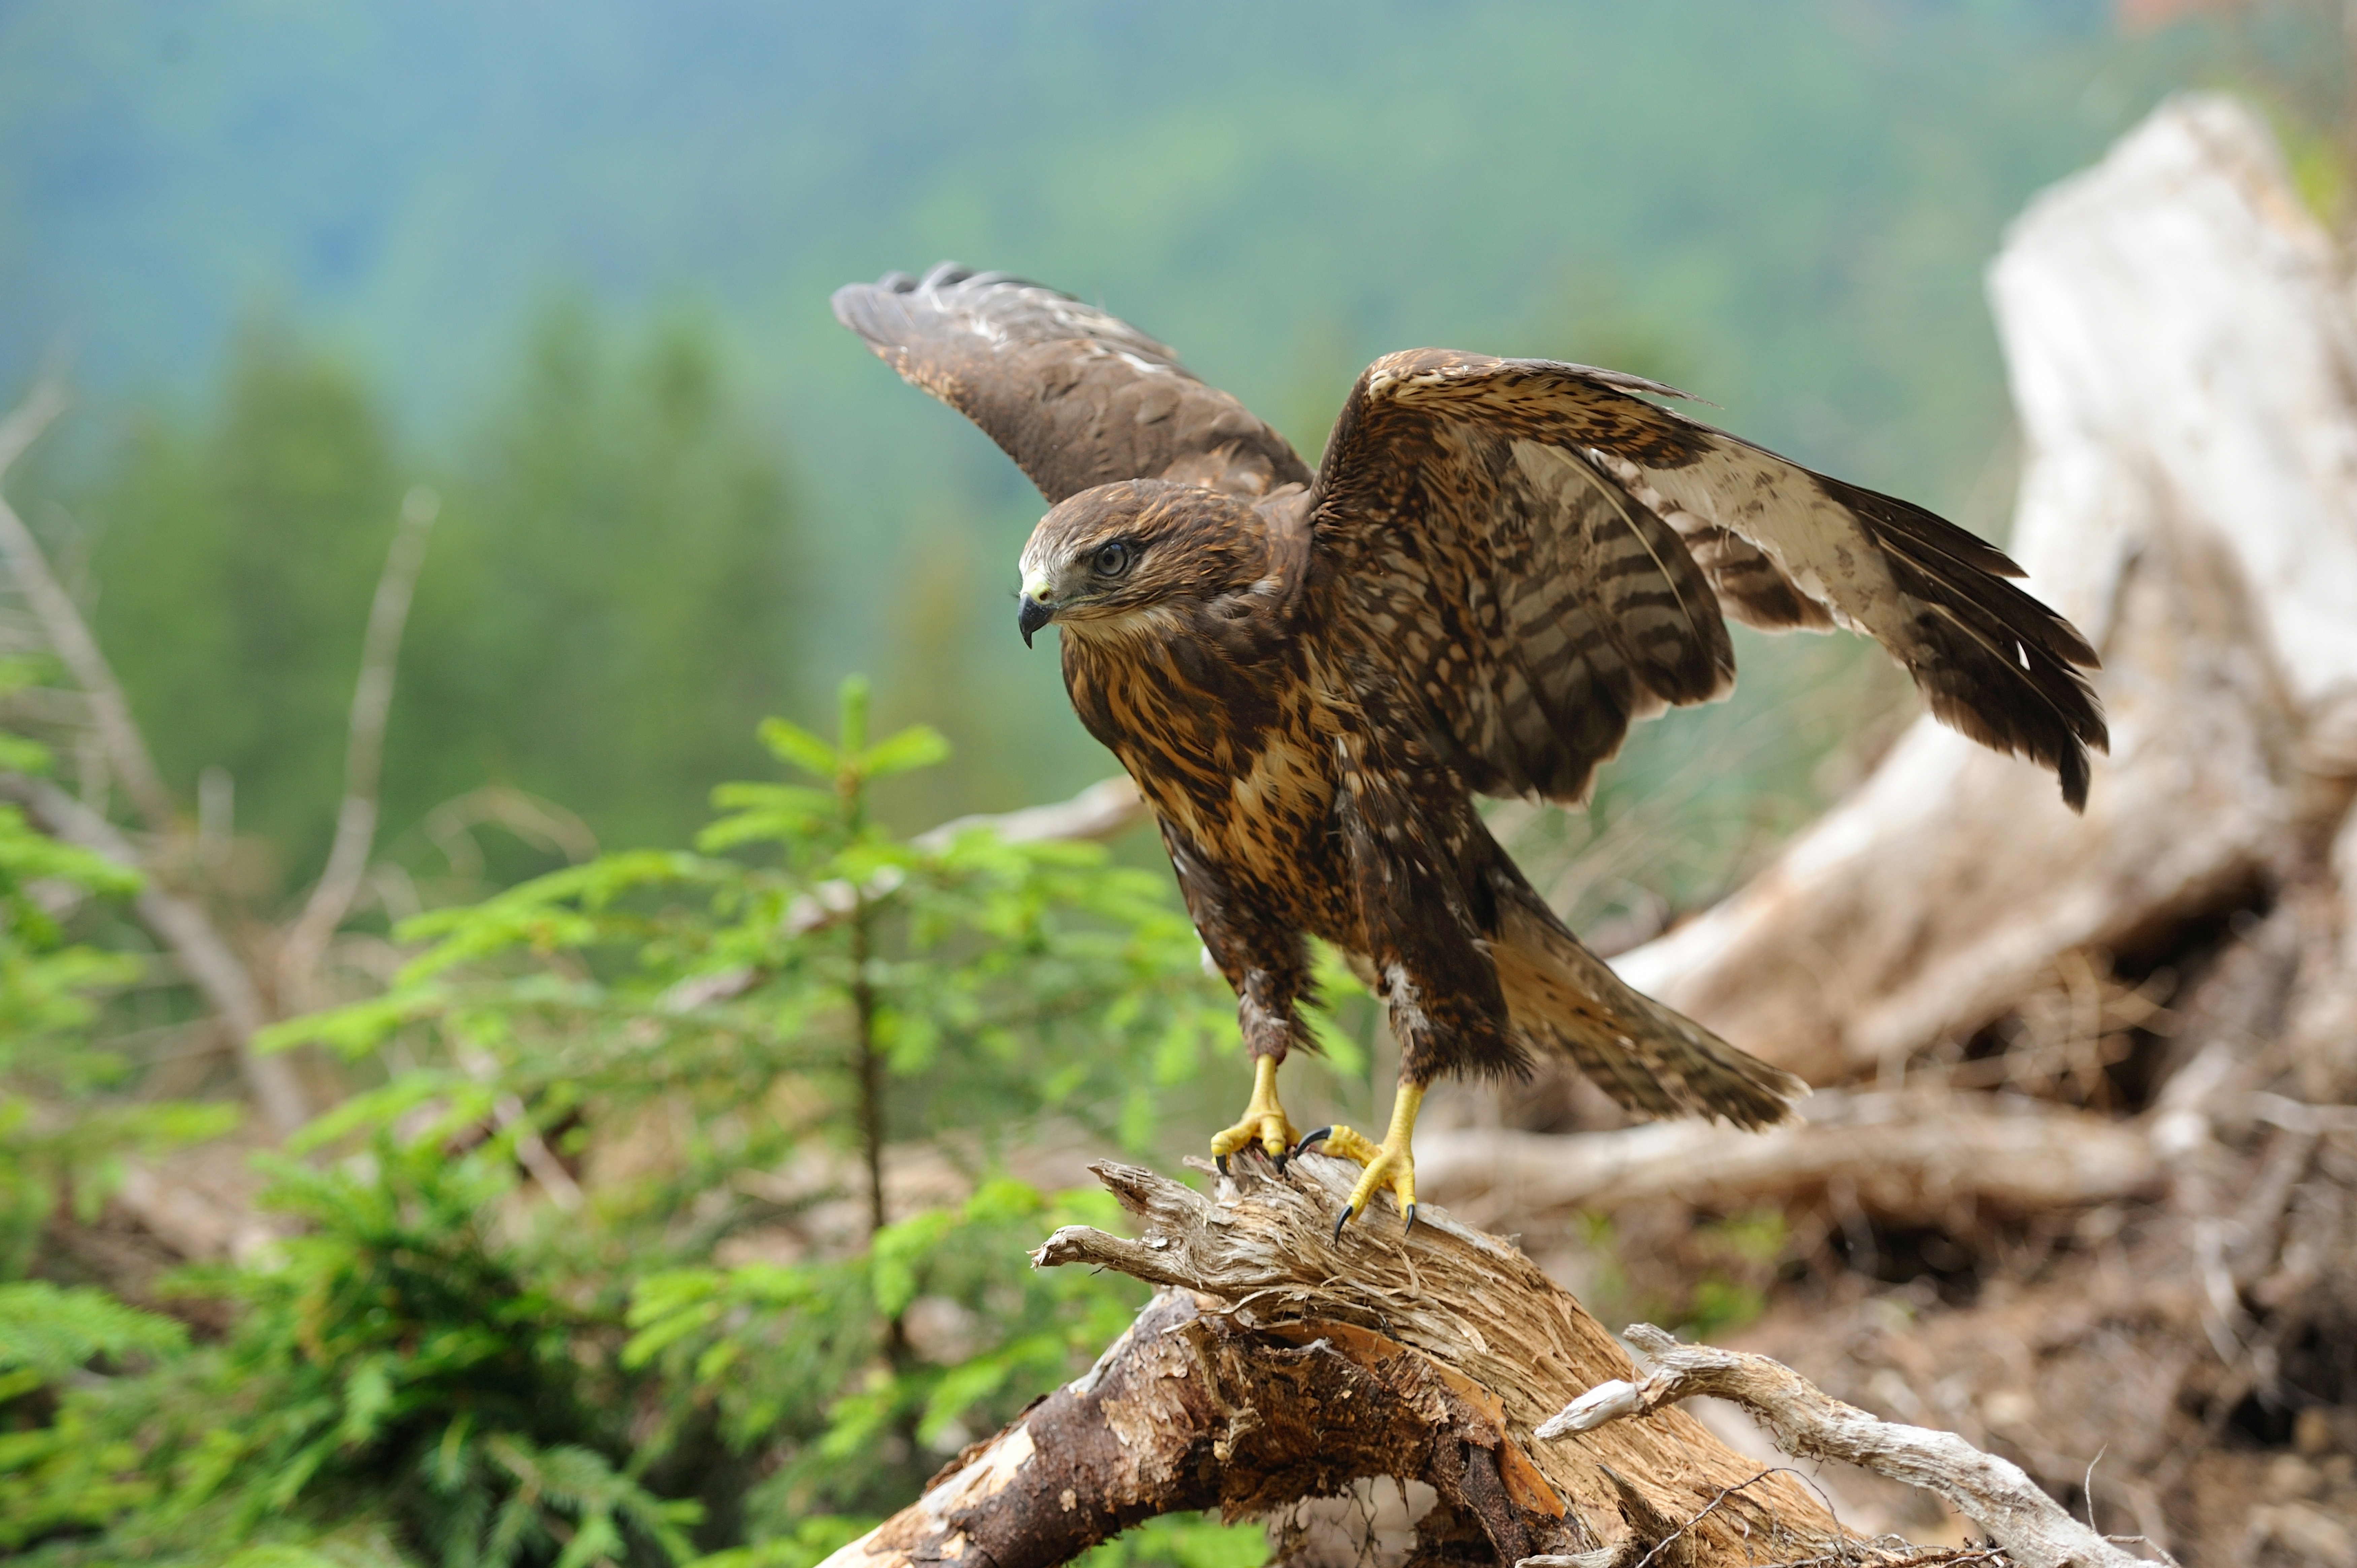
(1910, 1159)
(306, 940)
(1282, 1364)
(205, 956)
(208, 961)
(1808, 1424)
(1105, 809)
(68, 634)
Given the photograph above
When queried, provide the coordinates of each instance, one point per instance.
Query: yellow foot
(1264, 1121)
(1390, 1163)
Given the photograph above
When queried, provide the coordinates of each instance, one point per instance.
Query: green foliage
(47, 1332)
(396, 1361)
(63, 1139)
(597, 1276)
(238, 553)
(989, 983)
(614, 598)
(1180, 1541)
(770, 1347)
(60, 1136)
(614, 557)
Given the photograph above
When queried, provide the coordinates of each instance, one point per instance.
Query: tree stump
(1280, 1364)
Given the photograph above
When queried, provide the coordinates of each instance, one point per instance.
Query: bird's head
(1111, 558)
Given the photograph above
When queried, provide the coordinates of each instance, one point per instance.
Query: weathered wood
(1808, 1424)
(2183, 360)
(1903, 1158)
(1281, 1364)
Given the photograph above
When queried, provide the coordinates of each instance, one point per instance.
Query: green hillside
(1785, 208)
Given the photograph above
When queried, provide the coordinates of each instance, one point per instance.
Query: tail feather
(1654, 1062)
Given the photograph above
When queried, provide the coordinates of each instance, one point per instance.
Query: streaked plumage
(1497, 566)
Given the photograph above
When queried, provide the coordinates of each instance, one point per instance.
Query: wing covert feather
(1526, 608)
(1774, 543)
(1077, 397)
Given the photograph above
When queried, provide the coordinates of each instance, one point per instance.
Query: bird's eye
(1112, 560)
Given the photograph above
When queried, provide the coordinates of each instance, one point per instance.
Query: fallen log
(1903, 1158)
(1281, 1364)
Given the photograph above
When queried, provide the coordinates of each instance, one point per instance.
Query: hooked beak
(1030, 616)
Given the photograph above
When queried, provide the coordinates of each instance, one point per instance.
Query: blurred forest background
(570, 266)
(566, 269)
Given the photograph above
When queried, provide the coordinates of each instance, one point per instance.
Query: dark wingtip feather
(2046, 711)
(1994, 663)
(1927, 533)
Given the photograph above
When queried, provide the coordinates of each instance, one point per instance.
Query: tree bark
(1280, 1364)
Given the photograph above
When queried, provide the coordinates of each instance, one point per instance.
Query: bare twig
(2298, 1116)
(331, 899)
(2035, 1530)
(208, 961)
(543, 824)
(69, 634)
(1104, 810)
(532, 1151)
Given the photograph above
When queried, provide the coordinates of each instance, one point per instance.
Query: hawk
(1495, 567)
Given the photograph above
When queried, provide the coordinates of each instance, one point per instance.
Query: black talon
(1302, 1147)
(1221, 1161)
(1411, 1221)
(1283, 1155)
(1339, 1220)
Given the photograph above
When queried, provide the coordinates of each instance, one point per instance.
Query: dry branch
(331, 899)
(1105, 809)
(1808, 1424)
(1908, 1157)
(208, 961)
(69, 634)
(1281, 1364)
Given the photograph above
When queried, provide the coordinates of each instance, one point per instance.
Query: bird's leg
(1390, 1163)
(1264, 1121)
(1265, 994)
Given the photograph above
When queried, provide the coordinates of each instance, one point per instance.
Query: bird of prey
(1496, 566)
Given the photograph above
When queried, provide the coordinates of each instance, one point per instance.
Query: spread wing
(1078, 398)
(1540, 557)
